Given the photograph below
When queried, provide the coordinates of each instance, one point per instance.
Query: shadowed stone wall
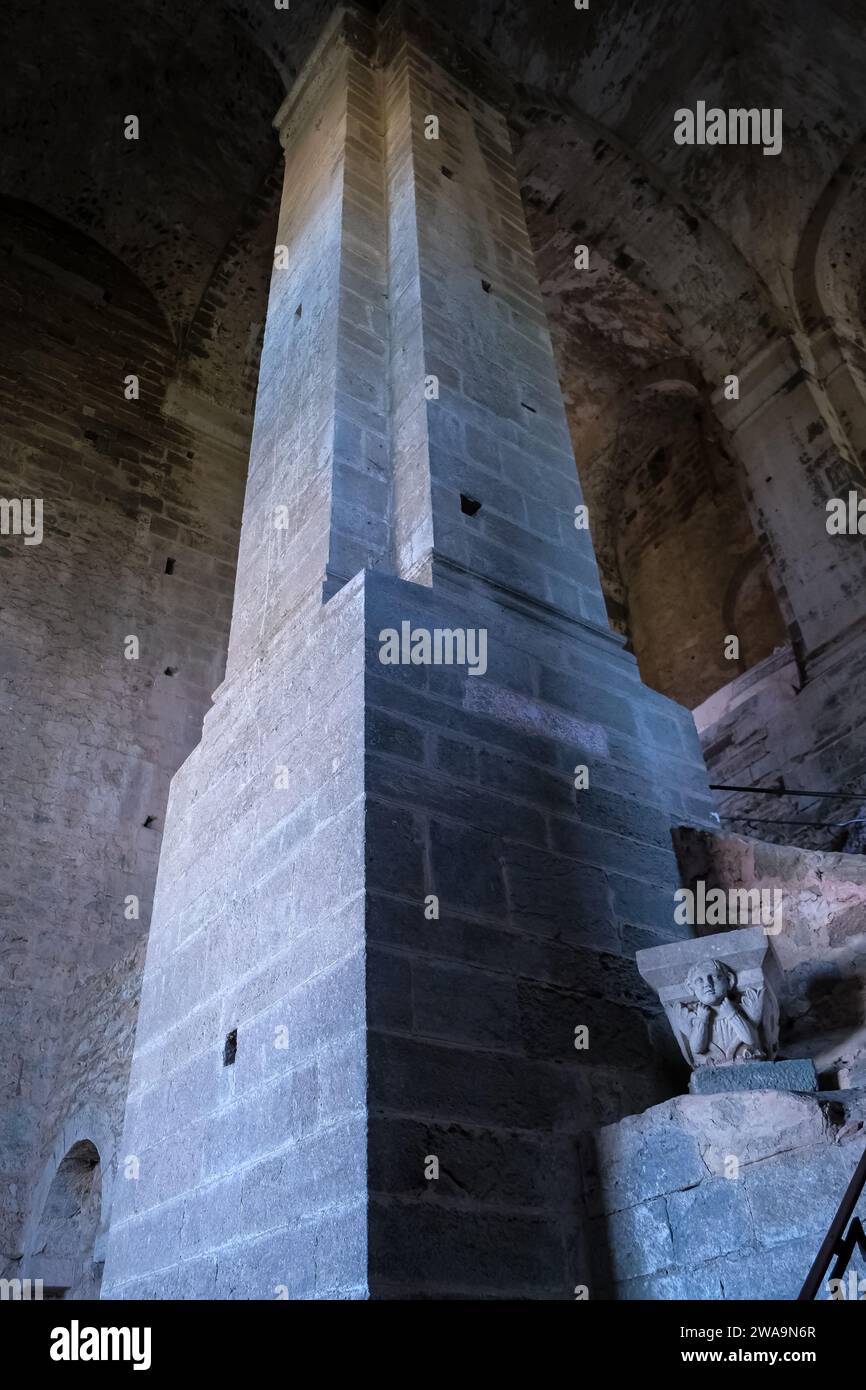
(544, 893)
(93, 738)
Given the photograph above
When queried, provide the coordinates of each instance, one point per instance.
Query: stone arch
(165, 204)
(640, 418)
(220, 347)
(694, 309)
(63, 1247)
(678, 376)
(36, 238)
(64, 1240)
(746, 607)
(685, 544)
(830, 297)
(830, 270)
(717, 304)
(712, 313)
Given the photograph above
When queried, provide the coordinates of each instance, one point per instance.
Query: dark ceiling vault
(694, 252)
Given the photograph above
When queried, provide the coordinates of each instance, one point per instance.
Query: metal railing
(845, 1235)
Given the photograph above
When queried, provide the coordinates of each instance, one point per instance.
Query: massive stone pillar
(390, 973)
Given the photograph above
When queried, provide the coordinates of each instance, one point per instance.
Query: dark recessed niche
(149, 821)
(169, 566)
(485, 285)
(657, 466)
(449, 173)
(170, 671)
(299, 311)
(468, 505)
(230, 1049)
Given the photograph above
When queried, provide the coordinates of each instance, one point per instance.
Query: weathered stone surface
(800, 1193)
(637, 1239)
(732, 1194)
(630, 1163)
(707, 1221)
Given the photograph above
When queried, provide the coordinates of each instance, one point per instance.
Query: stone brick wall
(89, 1095)
(252, 1161)
(468, 310)
(544, 893)
(720, 1197)
(92, 738)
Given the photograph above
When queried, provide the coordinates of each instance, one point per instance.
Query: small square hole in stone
(169, 566)
(230, 1051)
(468, 505)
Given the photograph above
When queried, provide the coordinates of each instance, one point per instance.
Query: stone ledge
(795, 1075)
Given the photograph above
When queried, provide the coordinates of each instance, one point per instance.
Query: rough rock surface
(719, 1197)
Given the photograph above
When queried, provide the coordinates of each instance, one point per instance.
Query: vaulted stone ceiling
(693, 249)
(167, 203)
(206, 78)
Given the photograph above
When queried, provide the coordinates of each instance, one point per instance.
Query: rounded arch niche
(692, 572)
(63, 1248)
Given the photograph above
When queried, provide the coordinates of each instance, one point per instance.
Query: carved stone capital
(720, 994)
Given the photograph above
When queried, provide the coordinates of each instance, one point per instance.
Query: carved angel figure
(719, 1028)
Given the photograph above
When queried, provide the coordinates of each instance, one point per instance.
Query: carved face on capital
(710, 981)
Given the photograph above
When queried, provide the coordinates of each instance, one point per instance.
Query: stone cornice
(348, 30)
